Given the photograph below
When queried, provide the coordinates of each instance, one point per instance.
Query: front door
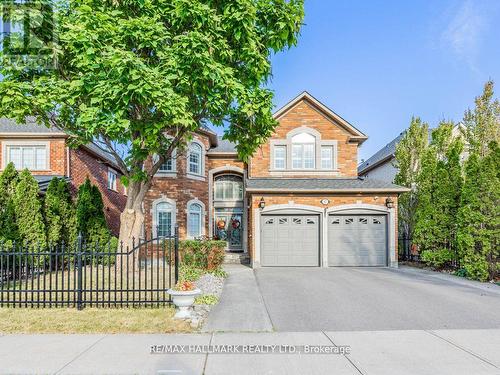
(228, 226)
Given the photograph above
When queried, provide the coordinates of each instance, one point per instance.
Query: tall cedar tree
(90, 219)
(439, 190)
(145, 75)
(29, 212)
(408, 160)
(60, 213)
(8, 223)
(479, 215)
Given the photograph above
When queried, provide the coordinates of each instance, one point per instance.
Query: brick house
(45, 153)
(298, 201)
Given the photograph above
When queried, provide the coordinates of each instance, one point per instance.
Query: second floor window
(168, 166)
(112, 177)
(326, 157)
(228, 188)
(279, 157)
(195, 159)
(303, 151)
(30, 157)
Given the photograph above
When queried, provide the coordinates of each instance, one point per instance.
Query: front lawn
(90, 320)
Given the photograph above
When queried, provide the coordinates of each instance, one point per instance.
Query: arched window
(195, 160)
(164, 219)
(228, 188)
(303, 151)
(195, 220)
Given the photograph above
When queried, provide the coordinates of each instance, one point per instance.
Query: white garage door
(289, 240)
(357, 240)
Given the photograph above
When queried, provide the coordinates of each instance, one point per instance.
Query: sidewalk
(376, 352)
(241, 307)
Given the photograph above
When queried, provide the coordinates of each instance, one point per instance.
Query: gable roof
(356, 134)
(223, 147)
(384, 154)
(11, 127)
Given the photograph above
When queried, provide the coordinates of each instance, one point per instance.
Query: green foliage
(476, 267)
(8, 222)
(90, 219)
(219, 272)
(129, 74)
(28, 210)
(189, 273)
(204, 254)
(437, 258)
(482, 124)
(479, 214)
(438, 193)
(60, 213)
(408, 160)
(461, 272)
(207, 299)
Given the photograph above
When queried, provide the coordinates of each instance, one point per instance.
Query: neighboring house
(380, 165)
(298, 201)
(44, 152)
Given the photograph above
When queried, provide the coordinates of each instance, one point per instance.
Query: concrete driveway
(371, 299)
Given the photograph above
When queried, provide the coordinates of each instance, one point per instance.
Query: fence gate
(89, 274)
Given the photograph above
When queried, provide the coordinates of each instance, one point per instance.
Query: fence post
(176, 253)
(79, 302)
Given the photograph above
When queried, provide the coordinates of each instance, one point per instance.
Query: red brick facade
(85, 164)
(179, 187)
(77, 164)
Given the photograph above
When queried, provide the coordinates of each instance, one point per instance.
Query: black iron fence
(89, 274)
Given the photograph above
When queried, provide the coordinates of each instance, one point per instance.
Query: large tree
(408, 161)
(138, 77)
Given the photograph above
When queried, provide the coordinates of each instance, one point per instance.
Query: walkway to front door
(241, 307)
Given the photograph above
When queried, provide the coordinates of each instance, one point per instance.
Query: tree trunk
(131, 223)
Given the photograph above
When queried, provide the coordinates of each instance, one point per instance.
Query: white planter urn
(183, 300)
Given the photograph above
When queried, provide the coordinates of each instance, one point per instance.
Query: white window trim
(317, 162)
(115, 187)
(154, 212)
(274, 156)
(201, 175)
(228, 200)
(303, 158)
(6, 143)
(202, 218)
(173, 172)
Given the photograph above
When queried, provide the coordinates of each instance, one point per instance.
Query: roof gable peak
(356, 134)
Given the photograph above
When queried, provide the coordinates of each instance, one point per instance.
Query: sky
(378, 63)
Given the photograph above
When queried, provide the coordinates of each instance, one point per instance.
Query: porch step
(236, 258)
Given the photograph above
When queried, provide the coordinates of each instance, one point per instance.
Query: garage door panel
(357, 240)
(291, 240)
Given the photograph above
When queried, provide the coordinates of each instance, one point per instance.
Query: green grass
(91, 320)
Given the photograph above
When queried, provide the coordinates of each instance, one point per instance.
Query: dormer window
(303, 151)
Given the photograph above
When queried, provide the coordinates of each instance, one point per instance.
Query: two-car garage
(352, 239)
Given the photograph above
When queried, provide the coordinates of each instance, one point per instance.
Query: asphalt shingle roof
(31, 126)
(224, 146)
(43, 181)
(321, 184)
(386, 152)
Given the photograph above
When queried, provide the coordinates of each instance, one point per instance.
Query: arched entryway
(228, 210)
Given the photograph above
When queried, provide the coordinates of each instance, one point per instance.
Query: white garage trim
(288, 208)
(323, 243)
(391, 229)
